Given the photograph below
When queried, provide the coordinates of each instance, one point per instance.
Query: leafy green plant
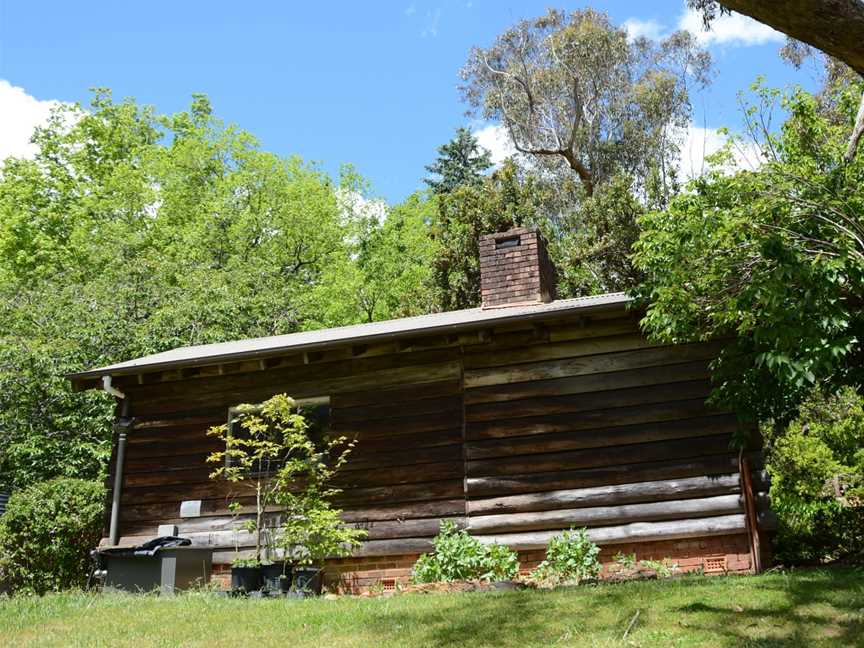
(571, 557)
(663, 568)
(276, 457)
(459, 556)
(47, 533)
(816, 465)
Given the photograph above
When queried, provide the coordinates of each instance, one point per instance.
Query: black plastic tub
(307, 581)
(276, 577)
(246, 579)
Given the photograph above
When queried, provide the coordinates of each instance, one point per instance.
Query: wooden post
(750, 508)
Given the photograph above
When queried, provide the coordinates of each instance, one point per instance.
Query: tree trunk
(834, 26)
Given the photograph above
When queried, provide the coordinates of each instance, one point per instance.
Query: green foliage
(47, 533)
(770, 258)
(460, 162)
(459, 556)
(571, 557)
(275, 454)
(817, 478)
(503, 200)
(584, 100)
(131, 233)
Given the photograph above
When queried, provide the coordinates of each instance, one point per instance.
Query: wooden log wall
(609, 433)
(514, 434)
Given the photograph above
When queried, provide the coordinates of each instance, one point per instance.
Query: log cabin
(516, 420)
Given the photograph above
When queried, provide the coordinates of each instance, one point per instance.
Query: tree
(503, 200)
(572, 88)
(461, 161)
(835, 27)
(771, 259)
(132, 233)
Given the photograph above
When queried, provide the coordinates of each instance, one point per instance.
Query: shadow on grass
(825, 605)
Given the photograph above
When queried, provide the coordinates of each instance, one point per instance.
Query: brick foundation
(353, 575)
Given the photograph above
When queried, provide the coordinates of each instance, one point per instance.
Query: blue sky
(371, 83)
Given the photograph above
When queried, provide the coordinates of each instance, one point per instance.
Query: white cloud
(433, 19)
(411, 10)
(698, 143)
(637, 28)
(494, 138)
(732, 29)
(20, 114)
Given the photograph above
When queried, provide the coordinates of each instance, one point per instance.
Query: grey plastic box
(169, 570)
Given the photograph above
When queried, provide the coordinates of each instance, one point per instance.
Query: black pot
(276, 577)
(307, 580)
(246, 579)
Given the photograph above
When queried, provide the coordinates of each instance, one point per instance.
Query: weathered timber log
(364, 459)
(606, 515)
(587, 384)
(363, 399)
(300, 373)
(627, 533)
(571, 404)
(602, 437)
(555, 351)
(597, 457)
(429, 423)
(380, 530)
(399, 475)
(616, 494)
(395, 410)
(594, 328)
(610, 417)
(168, 513)
(588, 477)
(325, 385)
(546, 370)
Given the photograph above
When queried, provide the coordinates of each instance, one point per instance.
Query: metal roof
(447, 322)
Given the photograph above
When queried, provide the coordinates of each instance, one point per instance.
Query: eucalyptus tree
(572, 88)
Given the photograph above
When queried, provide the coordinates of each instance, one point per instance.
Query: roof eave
(582, 309)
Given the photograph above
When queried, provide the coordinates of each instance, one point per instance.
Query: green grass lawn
(802, 608)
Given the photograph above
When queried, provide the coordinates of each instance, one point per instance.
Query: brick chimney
(515, 269)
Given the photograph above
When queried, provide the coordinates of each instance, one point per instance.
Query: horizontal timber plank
(606, 515)
(556, 350)
(262, 379)
(598, 457)
(395, 395)
(586, 384)
(587, 420)
(499, 486)
(573, 403)
(204, 396)
(545, 370)
(169, 513)
(602, 437)
(395, 409)
(413, 456)
(635, 532)
(611, 495)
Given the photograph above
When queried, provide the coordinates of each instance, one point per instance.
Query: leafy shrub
(47, 533)
(817, 479)
(458, 556)
(571, 557)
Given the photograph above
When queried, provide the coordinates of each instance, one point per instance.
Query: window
(315, 410)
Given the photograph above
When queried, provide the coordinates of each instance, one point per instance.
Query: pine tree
(461, 161)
